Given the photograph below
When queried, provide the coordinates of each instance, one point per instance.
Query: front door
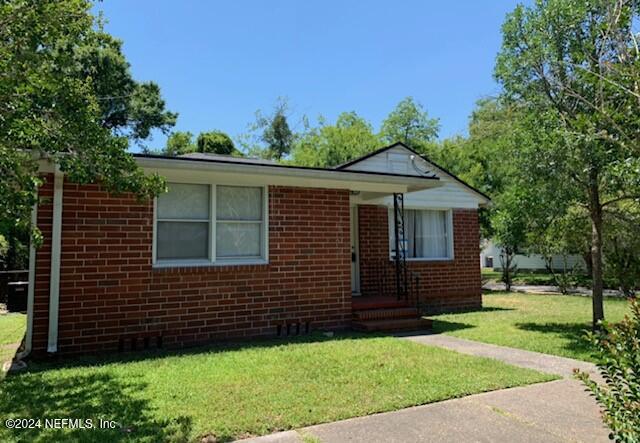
(355, 252)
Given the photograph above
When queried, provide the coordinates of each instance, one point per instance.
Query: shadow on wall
(94, 396)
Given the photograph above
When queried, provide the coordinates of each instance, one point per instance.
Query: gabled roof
(416, 153)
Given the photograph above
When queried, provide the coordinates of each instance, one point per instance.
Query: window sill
(207, 264)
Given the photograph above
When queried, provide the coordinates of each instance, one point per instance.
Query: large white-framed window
(428, 234)
(200, 224)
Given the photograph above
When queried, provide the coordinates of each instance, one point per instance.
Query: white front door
(355, 252)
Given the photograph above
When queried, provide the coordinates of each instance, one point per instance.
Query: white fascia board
(233, 173)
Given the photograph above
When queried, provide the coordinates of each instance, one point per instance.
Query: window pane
(184, 201)
(238, 203)
(183, 240)
(430, 234)
(238, 240)
(425, 233)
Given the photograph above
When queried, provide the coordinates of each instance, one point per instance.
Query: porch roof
(230, 170)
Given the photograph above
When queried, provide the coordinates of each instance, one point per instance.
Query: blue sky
(217, 62)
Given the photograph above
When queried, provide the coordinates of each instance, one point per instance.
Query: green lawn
(12, 327)
(553, 324)
(246, 390)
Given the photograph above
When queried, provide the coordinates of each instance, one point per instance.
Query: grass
(552, 324)
(247, 390)
(12, 327)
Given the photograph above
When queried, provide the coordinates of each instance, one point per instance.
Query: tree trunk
(595, 210)
(587, 261)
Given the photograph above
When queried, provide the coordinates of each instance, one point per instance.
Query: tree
(179, 143)
(622, 243)
(331, 145)
(409, 123)
(510, 224)
(278, 136)
(127, 107)
(270, 136)
(51, 104)
(216, 142)
(573, 65)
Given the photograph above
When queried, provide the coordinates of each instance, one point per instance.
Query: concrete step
(390, 325)
(381, 314)
(362, 303)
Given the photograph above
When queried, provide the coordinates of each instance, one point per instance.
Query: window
(210, 223)
(428, 234)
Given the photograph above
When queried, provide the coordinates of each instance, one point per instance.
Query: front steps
(386, 314)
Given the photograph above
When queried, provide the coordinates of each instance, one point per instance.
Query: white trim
(31, 289)
(212, 256)
(354, 233)
(198, 171)
(54, 280)
(155, 231)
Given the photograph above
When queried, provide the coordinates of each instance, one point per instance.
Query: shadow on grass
(574, 333)
(39, 393)
(92, 396)
(441, 326)
(38, 365)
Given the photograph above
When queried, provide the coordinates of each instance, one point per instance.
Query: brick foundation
(109, 290)
(445, 286)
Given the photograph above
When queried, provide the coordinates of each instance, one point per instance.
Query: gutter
(30, 290)
(54, 280)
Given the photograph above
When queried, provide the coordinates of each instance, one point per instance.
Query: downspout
(54, 281)
(31, 289)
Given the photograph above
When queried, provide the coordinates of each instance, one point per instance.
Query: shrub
(618, 349)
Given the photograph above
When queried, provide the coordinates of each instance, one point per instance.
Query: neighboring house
(490, 258)
(244, 248)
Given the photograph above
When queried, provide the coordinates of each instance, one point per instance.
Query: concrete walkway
(547, 289)
(517, 357)
(557, 411)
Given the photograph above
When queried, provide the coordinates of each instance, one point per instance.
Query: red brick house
(244, 248)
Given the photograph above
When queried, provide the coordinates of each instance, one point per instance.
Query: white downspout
(54, 282)
(31, 288)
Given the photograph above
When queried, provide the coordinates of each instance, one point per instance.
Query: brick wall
(449, 285)
(109, 290)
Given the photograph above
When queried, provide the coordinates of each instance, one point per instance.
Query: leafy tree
(51, 105)
(572, 65)
(622, 246)
(330, 145)
(409, 123)
(278, 136)
(510, 224)
(126, 106)
(270, 136)
(178, 143)
(618, 350)
(216, 142)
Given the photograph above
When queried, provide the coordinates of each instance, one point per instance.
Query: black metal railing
(378, 277)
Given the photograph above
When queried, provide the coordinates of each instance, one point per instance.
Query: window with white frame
(428, 234)
(210, 223)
